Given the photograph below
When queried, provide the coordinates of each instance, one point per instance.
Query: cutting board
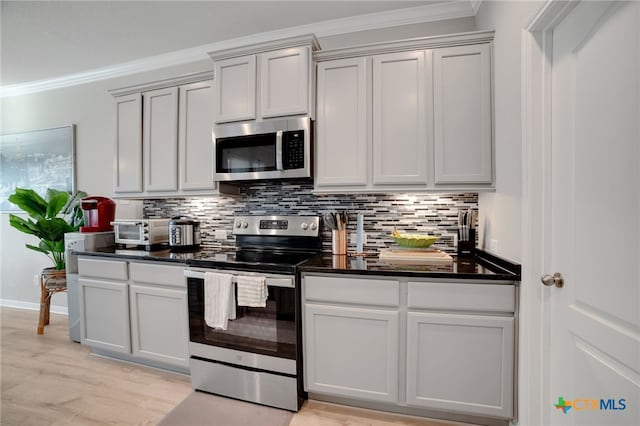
(415, 257)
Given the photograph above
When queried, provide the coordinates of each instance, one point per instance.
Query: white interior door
(595, 243)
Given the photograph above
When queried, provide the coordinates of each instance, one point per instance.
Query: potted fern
(49, 219)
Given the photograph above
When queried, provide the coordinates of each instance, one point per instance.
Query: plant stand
(52, 281)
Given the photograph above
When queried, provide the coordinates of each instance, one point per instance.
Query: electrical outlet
(493, 245)
(36, 280)
(221, 234)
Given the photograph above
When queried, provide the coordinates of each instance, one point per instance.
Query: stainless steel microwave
(275, 149)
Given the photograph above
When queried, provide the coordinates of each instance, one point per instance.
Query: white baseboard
(32, 306)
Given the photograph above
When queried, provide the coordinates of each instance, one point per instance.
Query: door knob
(555, 279)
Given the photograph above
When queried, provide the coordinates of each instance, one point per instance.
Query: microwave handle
(279, 150)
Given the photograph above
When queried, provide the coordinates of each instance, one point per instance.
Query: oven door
(268, 331)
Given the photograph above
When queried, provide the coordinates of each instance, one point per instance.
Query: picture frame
(37, 159)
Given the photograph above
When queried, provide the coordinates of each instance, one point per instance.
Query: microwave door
(246, 157)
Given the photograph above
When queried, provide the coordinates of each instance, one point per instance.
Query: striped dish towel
(252, 291)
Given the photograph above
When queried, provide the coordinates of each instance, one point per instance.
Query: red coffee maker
(98, 213)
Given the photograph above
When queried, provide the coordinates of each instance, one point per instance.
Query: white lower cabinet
(411, 346)
(352, 352)
(135, 311)
(460, 363)
(159, 327)
(104, 315)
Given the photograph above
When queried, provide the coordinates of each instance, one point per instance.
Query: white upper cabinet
(266, 80)
(462, 114)
(128, 153)
(235, 89)
(399, 119)
(426, 120)
(341, 129)
(173, 123)
(195, 147)
(284, 82)
(160, 135)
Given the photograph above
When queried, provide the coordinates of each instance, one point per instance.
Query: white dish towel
(252, 291)
(219, 300)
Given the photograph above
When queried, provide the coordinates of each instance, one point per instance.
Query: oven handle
(270, 281)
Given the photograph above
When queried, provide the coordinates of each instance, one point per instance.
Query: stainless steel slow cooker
(184, 232)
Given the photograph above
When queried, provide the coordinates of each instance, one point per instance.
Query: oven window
(129, 232)
(268, 331)
(244, 154)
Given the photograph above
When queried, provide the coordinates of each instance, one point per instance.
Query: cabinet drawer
(155, 273)
(457, 296)
(363, 291)
(99, 268)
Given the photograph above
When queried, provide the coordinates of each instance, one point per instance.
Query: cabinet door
(194, 139)
(235, 89)
(104, 315)
(161, 140)
(284, 82)
(399, 119)
(159, 327)
(461, 363)
(128, 156)
(341, 128)
(462, 114)
(351, 352)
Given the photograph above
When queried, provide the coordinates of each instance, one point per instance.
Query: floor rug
(203, 409)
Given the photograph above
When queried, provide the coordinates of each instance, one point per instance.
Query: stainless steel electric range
(258, 357)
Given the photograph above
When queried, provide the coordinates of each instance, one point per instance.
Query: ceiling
(46, 40)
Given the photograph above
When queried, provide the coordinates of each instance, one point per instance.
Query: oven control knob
(314, 226)
(245, 225)
(238, 224)
(304, 225)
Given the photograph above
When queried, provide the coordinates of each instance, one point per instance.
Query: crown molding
(393, 18)
(432, 42)
(161, 84)
(303, 40)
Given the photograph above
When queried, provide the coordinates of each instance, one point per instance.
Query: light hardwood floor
(48, 380)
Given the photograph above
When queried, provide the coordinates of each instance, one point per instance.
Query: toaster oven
(144, 232)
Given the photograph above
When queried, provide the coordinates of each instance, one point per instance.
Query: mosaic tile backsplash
(435, 214)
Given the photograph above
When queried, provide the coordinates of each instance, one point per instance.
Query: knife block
(468, 247)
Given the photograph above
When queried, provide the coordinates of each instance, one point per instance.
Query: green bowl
(415, 240)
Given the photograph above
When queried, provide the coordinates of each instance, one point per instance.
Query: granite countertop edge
(499, 269)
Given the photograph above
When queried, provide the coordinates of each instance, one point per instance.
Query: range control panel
(277, 225)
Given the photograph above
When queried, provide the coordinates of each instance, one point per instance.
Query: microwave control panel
(293, 149)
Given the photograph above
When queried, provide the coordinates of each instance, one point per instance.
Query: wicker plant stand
(52, 281)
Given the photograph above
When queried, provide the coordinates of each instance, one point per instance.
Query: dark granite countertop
(482, 266)
(162, 255)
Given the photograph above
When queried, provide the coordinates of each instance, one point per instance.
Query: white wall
(500, 212)
(90, 107)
